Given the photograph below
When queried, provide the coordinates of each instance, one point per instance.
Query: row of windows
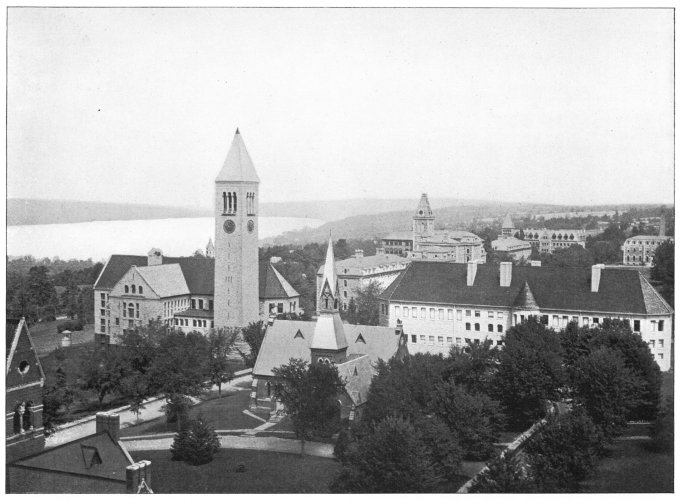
(489, 327)
(170, 307)
(278, 307)
(104, 298)
(131, 309)
(652, 343)
(23, 418)
(196, 323)
(134, 289)
(439, 313)
(430, 340)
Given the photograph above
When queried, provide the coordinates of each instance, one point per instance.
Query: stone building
(508, 243)
(549, 240)
(358, 271)
(466, 303)
(354, 349)
(277, 296)
(640, 250)
(426, 243)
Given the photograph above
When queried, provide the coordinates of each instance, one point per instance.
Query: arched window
(141, 289)
(235, 206)
(134, 289)
(224, 202)
(228, 203)
(127, 289)
(28, 417)
(17, 419)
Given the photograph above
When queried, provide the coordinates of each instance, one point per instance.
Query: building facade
(508, 243)
(549, 240)
(426, 243)
(640, 250)
(358, 271)
(277, 296)
(468, 303)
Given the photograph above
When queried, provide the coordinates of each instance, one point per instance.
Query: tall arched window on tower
(228, 203)
(224, 202)
(18, 412)
(235, 207)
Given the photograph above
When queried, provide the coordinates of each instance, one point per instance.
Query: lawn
(221, 413)
(46, 339)
(265, 472)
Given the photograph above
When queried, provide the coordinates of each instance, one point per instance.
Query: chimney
(471, 272)
(155, 257)
(110, 423)
(596, 274)
(506, 273)
(662, 226)
(380, 251)
(358, 253)
(136, 475)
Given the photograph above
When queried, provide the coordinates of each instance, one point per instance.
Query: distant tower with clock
(236, 226)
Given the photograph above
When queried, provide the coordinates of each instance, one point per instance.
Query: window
(102, 312)
(137, 307)
(440, 340)
(431, 339)
(636, 325)
(397, 311)
(117, 321)
(467, 326)
(441, 314)
(345, 282)
(544, 319)
(134, 289)
(500, 342)
(468, 313)
(490, 327)
(661, 325)
(141, 289)
(210, 305)
(103, 303)
(124, 309)
(459, 341)
(431, 312)
(127, 289)
(660, 355)
(476, 327)
(586, 321)
(414, 312)
(499, 315)
(596, 321)
(478, 314)
(490, 314)
(499, 328)
(467, 341)
(102, 325)
(279, 307)
(450, 314)
(345, 295)
(565, 320)
(449, 340)
(200, 303)
(661, 343)
(102, 296)
(555, 321)
(194, 322)
(652, 344)
(193, 303)
(459, 314)
(414, 339)
(422, 339)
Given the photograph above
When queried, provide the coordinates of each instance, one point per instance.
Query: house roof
(620, 290)
(399, 235)
(97, 455)
(510, 244)
(283, 342)
(643, 237)
(22, 363)
(116, 267)
(525, 299)
(357, 373)
(238, 167)
(272, 284)
(167, 280)
(357, 265)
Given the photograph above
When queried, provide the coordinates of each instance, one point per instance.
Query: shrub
(662, 430)
(505, 474)
(196, 443)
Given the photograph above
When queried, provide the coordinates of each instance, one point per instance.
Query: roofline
(144, 279)
(217, 181)
(68, 473)
(658, 295)
(101, 272)
(15, 342)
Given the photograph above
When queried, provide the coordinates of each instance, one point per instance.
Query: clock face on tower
(229, 226)
(251, 226)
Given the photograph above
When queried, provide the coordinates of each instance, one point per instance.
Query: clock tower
(236, 242)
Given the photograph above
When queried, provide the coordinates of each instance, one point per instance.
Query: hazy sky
(140, 105)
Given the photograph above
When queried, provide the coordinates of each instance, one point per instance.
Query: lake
(99, 239)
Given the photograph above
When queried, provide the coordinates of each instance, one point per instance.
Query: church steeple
(238, 167)
(328, 298)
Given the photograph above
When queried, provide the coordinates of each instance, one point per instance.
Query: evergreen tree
(196, 443)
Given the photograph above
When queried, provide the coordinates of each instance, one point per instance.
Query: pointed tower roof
(525, 299)
(238, 167)
(330, 274)
(424, 209)
(210, 245)
(507, 223)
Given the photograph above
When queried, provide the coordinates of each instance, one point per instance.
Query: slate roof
(115, 269)
(562, 288)
(329, 332)
(399, 235)
(167, 280)
(357, 373)
(82, 457)
(238, 167)
(20, 348)
(509, 244)
(356, 265)
(272, 284)
(281, 343)
(525, 299)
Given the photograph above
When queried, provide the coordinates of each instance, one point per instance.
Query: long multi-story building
(426, 243)
(549, 240)
(640, 250)
(468, 303)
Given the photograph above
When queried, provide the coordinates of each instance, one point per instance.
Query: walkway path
(152, 410)
(323, 450)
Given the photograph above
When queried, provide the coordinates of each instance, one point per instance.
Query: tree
(445, 450)
(530, 373)
(196, 443)
(309, 393)
(663, 269)
(41, 290)
(606, 389)
(220, 345)
(505, 474)
(392, 458)
(253, 334)
(101, 370)
(69, 298)
(662, 430)
(473, 366)
(474, 419)
(367, 304)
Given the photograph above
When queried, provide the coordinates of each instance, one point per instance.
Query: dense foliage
(196, 443)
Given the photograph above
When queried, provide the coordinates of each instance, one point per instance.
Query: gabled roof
(510, 244)
(97, 455)
(116, 267)
(423, 209)
(238, 167)
(562, 288)
(654, 303)
(22, 363)
(399, 235)
(357, 373)
(167, 280)
(282, 342)
(272, 284)
(355, 266)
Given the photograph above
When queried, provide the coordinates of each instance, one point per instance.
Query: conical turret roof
(423, 209)
(238, 167)
(525, 299)
(330, 275)
(507, 223)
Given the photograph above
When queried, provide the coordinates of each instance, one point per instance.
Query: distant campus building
(468, 303)
(358, 271)
(353, 349)
(549, 240)
(199, 293)
(640, 250)
(425, 243)
(98, 463)
(507, 242)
